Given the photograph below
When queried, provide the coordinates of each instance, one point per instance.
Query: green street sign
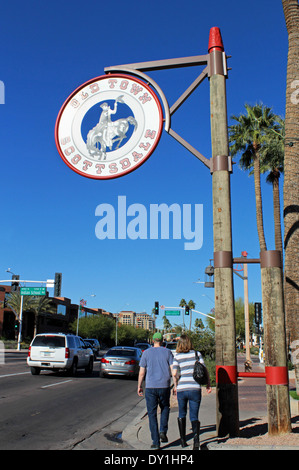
(33, 291)
(172, 312)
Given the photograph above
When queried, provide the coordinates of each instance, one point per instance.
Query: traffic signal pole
(227, 412)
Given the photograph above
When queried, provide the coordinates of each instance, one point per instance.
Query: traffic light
(57, 285)
(187, 310)
(156, 308)
(258, 313)
(15, 285)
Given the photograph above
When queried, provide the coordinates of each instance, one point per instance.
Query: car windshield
(50, 341)
(121, 352)
(171, 346)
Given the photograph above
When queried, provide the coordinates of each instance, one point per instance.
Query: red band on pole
(215, 40)
(226, 374)
(276, 375)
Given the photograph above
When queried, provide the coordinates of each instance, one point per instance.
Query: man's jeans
(194, 399)
(155, 397)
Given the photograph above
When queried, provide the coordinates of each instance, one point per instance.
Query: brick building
(66, 313)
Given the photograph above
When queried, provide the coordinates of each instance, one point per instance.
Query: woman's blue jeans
(194, 399)
(155, 397)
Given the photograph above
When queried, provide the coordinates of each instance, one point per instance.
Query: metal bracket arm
(134, 69)
(164, 64)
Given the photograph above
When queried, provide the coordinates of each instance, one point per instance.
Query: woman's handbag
(199, 372)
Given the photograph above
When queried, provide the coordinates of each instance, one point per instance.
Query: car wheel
(74, 368)
(102, 375)
(89, 368)
(35, 370)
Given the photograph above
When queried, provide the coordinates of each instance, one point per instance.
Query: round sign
(109, 126)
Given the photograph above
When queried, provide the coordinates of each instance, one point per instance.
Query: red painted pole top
(215, 40)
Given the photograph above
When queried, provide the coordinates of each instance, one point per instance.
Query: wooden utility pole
(279, 421)
(227, 413)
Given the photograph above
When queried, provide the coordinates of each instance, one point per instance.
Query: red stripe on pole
(226, 374)
(256, 375)
(276, 375)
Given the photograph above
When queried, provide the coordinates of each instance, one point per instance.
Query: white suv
(59, 351)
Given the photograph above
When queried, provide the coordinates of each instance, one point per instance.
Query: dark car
(95, 345)
(91, 346)
(143, 346)
(121, 360)
(171, 345)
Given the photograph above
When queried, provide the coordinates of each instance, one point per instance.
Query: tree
(14, 302)
(95, 326)
(41, 304)
(272, 162)
(291, 177)
(191, 306)
(247, 138)
(166, 323)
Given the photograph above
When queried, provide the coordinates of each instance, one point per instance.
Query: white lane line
(57, 383)
(11, 375)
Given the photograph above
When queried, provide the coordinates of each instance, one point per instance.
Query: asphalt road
(55, 411)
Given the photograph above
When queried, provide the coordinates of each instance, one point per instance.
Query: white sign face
(109, 126)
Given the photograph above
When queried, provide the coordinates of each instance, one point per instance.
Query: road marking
(57, 383)
(11, 375)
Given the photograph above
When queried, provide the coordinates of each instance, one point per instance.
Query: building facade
(138, 320)
(65, 313)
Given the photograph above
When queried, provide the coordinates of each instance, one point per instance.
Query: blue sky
(48, 211)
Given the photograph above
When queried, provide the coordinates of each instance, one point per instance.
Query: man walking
(156, 367)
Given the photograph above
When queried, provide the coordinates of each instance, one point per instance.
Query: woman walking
(186, 389)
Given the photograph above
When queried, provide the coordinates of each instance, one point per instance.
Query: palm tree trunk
(277, 222)
(258, 200)
(291, 178)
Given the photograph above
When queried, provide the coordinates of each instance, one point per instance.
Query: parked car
(54, 351)
(121, 360)
(143, 346)
(95, 344)
(171, 345)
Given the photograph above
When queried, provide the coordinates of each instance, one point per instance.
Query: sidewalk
(252, 418)
(138, 434)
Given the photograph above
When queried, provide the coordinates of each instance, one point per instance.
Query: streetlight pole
(20, 324)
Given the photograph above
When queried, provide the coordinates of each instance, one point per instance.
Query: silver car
(121, 360)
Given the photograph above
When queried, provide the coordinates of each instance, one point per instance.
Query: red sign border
(101, 77)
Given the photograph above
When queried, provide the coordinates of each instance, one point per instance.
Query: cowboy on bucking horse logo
(108, 132)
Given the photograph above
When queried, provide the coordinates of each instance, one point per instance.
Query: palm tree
(166, 323)
(14, 302)
(31, 303)
(272, 162)
(291, 178)
(246, 138)
(191, 305)
(183, 303)
(40, 305)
